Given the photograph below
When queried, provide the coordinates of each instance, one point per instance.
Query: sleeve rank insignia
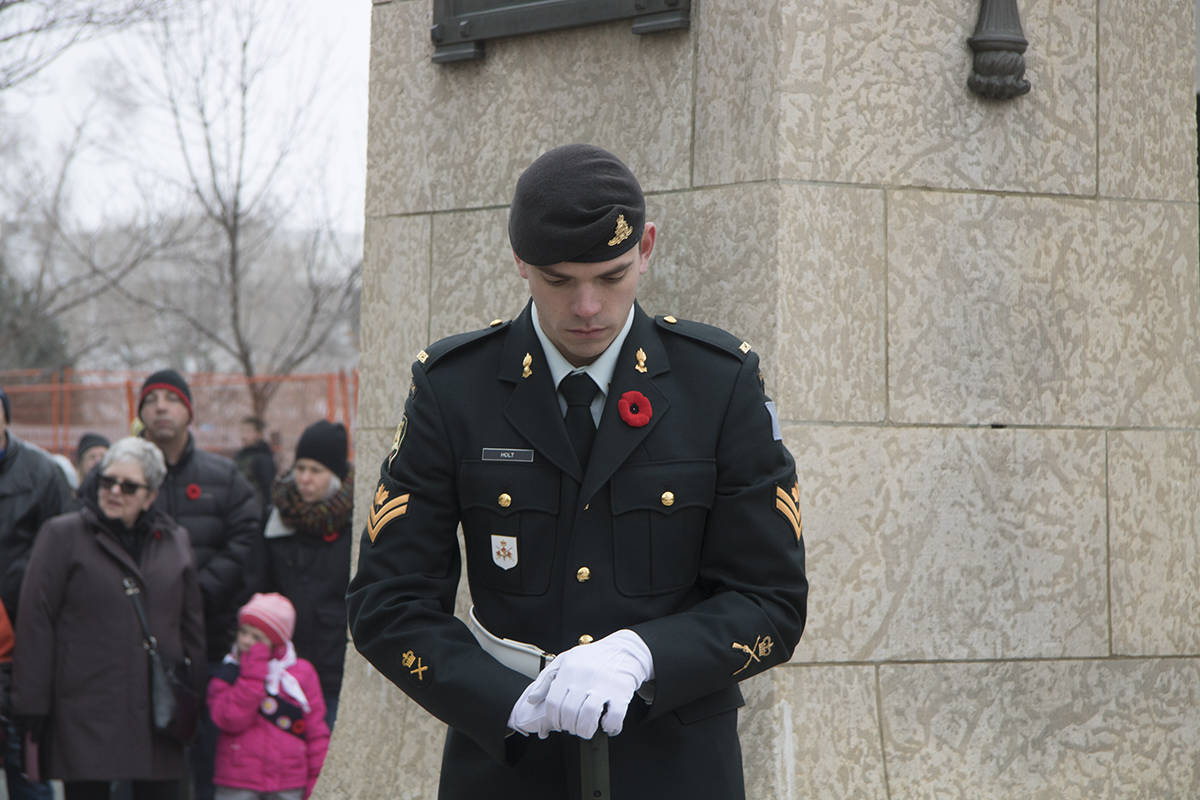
(412, 662)
(788, 504)
(384, 510)
(761, 649)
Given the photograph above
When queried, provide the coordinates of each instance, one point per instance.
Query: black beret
(577, 202)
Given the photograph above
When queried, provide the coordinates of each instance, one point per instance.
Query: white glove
(586, 687)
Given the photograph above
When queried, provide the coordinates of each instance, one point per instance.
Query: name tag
(507, 454)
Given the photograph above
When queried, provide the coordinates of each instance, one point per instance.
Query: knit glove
(585, 688)
(253, 663)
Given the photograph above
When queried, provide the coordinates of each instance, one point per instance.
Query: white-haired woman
(81, 675)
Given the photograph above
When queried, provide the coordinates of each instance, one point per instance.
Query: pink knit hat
(272, 614)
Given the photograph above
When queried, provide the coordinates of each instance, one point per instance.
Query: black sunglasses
(127, 487)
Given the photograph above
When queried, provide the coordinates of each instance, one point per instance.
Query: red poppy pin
(298, 726)
(635, 409)
(193, 491)
(331, 536)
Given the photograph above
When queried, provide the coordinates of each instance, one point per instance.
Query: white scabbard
(527, 659)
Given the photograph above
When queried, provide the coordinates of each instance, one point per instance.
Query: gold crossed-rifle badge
(760, 650)
(409, 658)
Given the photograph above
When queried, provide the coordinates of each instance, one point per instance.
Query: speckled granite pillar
(981, 325)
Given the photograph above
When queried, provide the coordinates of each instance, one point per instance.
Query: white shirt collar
(601, 370)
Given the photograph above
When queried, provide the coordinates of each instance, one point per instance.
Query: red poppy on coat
(193, 491)
(331, 536)
(298, 726)
(635, 409)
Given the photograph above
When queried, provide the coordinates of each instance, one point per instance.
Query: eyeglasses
(127, 487)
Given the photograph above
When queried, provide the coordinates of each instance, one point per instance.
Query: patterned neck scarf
(324, 519)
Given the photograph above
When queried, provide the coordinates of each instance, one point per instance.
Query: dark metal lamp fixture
(998, 43)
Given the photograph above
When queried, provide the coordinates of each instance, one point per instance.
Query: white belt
(527, 659)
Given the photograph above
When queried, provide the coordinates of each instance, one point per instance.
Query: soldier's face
(583, 306)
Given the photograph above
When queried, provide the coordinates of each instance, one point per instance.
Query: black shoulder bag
(174, 704)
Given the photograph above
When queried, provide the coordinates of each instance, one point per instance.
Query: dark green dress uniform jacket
(688, 527)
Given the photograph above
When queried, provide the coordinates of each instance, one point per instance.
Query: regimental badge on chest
(504, 551)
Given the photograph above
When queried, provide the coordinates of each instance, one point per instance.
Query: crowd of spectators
(234, 570)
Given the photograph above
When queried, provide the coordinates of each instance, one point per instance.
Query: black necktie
(579, 389)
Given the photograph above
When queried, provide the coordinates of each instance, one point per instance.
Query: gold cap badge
(622, 232)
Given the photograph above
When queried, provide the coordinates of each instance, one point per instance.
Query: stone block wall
(981, 325)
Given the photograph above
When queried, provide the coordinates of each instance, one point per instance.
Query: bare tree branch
(34, 33)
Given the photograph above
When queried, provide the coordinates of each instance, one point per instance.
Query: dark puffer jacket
(32, 490)
(206, 494)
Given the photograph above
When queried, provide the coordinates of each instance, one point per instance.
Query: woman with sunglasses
(81, 680)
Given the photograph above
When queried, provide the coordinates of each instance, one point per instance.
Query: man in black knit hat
(630, 515)
(206, 494)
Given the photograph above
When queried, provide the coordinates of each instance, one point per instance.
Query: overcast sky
(50, 106)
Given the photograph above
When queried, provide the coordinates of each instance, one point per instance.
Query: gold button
(668, 498)
(669, 319)
(505, 500)
(495, 322)
(586, 639)
(583, 574)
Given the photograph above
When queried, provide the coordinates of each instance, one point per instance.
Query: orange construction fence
(53, 409)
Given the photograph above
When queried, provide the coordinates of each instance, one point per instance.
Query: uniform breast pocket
(659, 513)
(509, 513)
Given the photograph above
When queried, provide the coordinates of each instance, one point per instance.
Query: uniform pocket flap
(664, 486)
(508, 488)
(718, 702)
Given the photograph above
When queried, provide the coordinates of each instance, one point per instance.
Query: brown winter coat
(79, 656)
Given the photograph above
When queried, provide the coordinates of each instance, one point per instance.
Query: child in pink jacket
(268, 706)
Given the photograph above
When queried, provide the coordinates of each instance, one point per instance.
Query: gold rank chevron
(788, 505)
(384, 511)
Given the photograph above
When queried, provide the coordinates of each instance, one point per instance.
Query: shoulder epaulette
(708, 334)
(442, 347)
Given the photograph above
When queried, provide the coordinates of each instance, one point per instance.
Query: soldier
(630, 513)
